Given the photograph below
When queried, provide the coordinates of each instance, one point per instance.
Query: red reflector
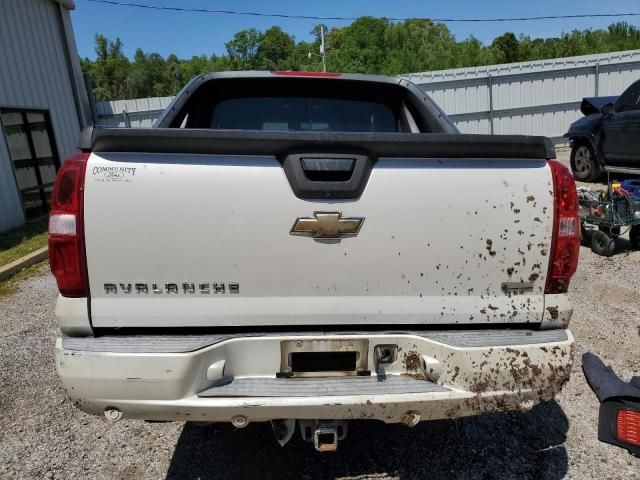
(628, 426)
(66, 228)
(65, 195)
(565, 242)
(307, 74)
(67, 265)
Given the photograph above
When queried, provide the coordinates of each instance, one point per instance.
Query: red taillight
(628, 426)
(66, 228)
(565, 243)
(307, 74)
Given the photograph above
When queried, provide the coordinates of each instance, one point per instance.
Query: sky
(189, 34)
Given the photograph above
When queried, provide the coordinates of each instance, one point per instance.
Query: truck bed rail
(249, 142)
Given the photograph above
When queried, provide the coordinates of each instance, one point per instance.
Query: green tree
(102, 46)
(172, 74)
(110, 70)
(274, 49)
(506, 48)
(358, 47)
(243, 49)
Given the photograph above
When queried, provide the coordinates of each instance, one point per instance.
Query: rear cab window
(299, 114)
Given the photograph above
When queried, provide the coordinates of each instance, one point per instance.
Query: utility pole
(322, 49)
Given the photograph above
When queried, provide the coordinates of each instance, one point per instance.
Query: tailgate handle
(327, 176)
(328, 169)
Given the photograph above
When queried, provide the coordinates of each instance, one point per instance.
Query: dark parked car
(607, 136)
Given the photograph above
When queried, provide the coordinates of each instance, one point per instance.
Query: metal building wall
(532, 98)
(34, 74)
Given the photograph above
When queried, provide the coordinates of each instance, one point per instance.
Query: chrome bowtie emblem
(327, 225)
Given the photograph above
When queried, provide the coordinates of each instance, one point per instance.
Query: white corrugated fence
(138, 112)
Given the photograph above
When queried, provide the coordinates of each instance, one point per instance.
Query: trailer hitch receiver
(325, 435)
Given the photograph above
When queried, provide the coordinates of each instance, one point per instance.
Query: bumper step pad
(191, 343)
(319, 387)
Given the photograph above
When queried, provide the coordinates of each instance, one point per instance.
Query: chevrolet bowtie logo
(327, 225)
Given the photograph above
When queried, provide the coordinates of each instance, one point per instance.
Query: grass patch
(10, 285)
(23, 240)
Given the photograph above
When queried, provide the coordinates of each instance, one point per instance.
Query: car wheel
(602, 244)
(584, 164)
(634, 236)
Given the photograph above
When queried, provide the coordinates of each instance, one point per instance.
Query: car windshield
(303, 114)
(630, 99)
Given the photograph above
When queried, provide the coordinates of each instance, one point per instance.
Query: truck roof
(419, 96)
(297, 74)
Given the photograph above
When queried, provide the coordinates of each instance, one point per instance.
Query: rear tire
(602, 244)
(584, 163)
(634, 237)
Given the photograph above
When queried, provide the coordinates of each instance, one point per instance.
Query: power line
(396, 19)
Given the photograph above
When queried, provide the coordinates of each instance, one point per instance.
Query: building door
(33, 154)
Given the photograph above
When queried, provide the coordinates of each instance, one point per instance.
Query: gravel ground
(43, 436)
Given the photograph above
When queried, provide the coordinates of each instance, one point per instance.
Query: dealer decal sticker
(113, 174)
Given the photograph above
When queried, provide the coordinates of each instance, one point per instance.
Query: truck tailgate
(181, 239)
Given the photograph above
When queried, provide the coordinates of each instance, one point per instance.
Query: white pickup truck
(308, 248)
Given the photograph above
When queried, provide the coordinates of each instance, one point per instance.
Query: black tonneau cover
(247, 142)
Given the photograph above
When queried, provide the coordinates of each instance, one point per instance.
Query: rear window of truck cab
(302, 114)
